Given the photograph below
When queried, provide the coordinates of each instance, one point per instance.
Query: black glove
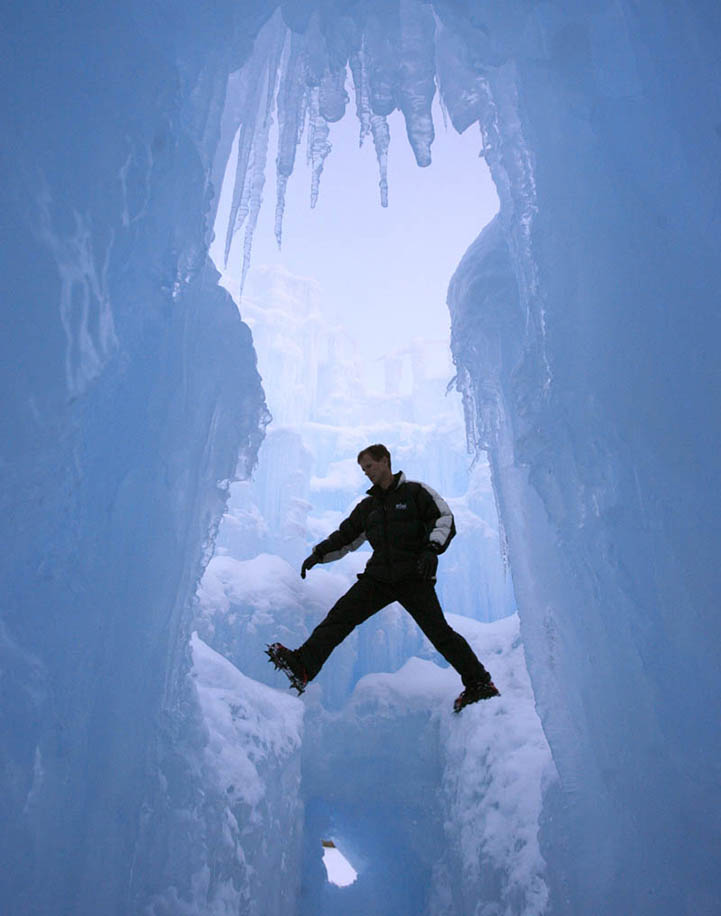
(309, 563)
(428, 563)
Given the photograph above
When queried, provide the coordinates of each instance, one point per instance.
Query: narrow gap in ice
(339, 870)
(332, 387)
(331, 391)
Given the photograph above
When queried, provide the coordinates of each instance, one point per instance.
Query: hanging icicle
(362, 101)
(259, 99)
(392, 60)
(370, 123)
(318, 145)
(381, 141)
(416, 76)
(291, 119)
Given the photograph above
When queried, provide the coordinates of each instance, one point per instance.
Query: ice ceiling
(301, 79)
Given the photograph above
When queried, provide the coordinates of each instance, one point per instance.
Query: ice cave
(181, 419)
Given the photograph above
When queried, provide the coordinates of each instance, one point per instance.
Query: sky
(383, 272)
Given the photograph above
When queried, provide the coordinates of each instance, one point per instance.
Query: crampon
(475, 692)
(288, 662)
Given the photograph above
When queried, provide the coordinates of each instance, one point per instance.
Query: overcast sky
(386, 271)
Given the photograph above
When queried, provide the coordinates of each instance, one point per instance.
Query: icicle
(291, 118)
(318, 145)
(253, 199)
(382, 53)
(362, 100)
(281, 184)
(416, 73)
(462, 90)
(381, 141)
(255, 196)
(259, 81)
(315, 52)
(333, 96)
(245, 142)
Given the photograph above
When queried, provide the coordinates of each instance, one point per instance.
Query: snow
(248, 763)
(246, 723)
(340, 871)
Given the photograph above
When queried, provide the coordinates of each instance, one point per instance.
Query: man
(408, 525)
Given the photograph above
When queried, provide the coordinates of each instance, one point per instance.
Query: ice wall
(129, 394)
(585, 325)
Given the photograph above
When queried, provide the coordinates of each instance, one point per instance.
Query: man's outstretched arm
(349, 536)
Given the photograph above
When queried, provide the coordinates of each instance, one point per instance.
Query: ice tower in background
(586, 332)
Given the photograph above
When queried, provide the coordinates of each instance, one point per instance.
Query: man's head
(375, 462)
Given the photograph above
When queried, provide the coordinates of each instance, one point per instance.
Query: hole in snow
(339, 869)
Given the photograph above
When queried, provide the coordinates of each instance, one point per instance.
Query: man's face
(375, 471)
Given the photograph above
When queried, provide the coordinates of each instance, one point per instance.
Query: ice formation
(390, 61)
(586, 328)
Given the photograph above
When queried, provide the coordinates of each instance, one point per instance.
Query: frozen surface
(231, 788)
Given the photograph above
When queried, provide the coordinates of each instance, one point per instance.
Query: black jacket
(399, 523)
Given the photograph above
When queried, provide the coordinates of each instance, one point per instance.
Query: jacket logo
(401, 505)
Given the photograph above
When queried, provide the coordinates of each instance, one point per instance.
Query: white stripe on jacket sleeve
(444, 523)
(347, 548)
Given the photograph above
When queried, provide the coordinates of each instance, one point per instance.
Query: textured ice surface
(588, 379)
(129, 395)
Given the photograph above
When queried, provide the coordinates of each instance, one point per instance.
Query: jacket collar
(398, 479)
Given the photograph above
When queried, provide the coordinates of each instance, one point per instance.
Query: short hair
(376, 452)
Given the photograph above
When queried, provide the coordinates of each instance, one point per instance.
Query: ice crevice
(388, 772)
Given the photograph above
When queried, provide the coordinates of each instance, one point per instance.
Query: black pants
(367, 597)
